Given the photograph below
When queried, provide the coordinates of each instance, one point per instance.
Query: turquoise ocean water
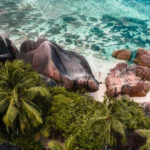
(93, 28)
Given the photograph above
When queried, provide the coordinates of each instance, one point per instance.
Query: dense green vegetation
(82, 120)
(18, 87)
(72, 121)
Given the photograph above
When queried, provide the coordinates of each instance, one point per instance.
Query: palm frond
(32, 113)
(44, 131)
(31, 74)
(119, 128)
(69, 142)
(3, 105)
(18, 86)
(55, 145)
(4, 93)
(15, 96)
(43, 91)
(98, 120)
(23, 122)
(16, 72)
(3, 82)
(10, 115)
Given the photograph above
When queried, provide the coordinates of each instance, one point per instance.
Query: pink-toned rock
(123, 80)
(142, 57)
(143, 72)
(67, 68)
(124, 54)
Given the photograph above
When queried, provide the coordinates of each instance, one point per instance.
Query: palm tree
(19, 85)
(110, 120)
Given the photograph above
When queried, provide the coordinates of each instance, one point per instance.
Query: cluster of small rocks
(130, 80)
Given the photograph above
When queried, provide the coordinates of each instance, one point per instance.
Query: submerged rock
(142, 57)
(69, 19)
(92, 19)
(108, 18)
(7, 49)
(124, 54)
(96, 30)
(67, 68)
(123, 80)
(71, 36)
(95, 47)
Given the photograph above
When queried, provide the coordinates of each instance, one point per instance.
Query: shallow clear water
(94, 28)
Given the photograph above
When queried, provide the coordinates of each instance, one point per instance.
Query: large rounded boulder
(123, 54)
(143, 72)
(142, 57)
(67, 68)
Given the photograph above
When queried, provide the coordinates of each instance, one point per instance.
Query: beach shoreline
(103, 67)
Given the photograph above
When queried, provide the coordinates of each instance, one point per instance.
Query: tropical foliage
(72, 121)
(19, 84)
(81, 120)
(68, 111)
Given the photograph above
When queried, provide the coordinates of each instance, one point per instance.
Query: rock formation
(27, 46)
(67, 68)
(142, 57)
(123, 80)
(124, 54)
(143, 72)
(7, 49)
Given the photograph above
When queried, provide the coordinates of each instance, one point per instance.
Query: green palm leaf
(3, 105)
(10, 115)
(110, 121)
(39, 89)
(32, 113)
(19, 84)
(69, 142)
(23, 119)
(55, 145)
